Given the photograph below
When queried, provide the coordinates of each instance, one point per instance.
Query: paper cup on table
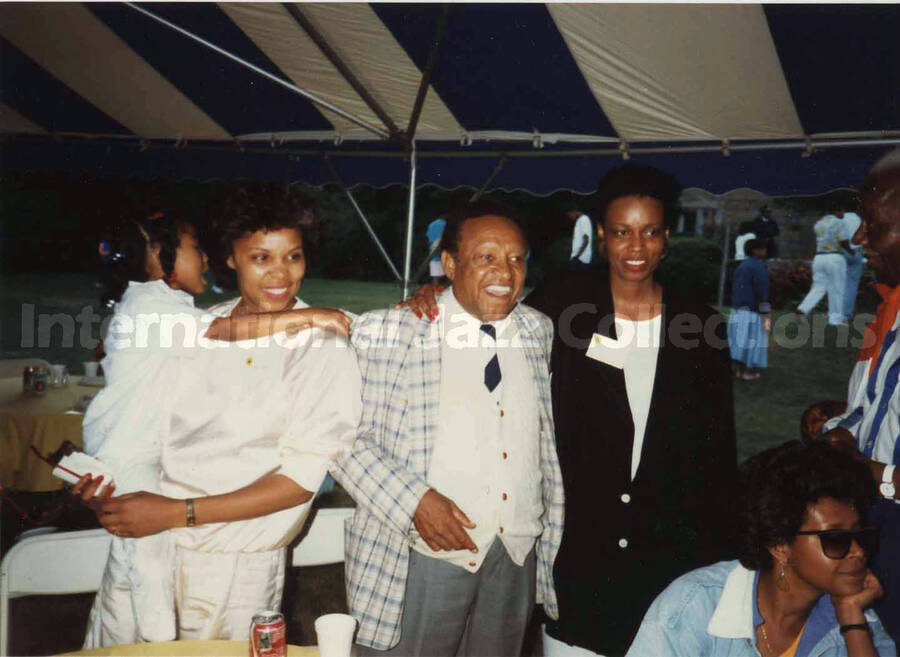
(90, 368)
(59, 375)
(334, 633)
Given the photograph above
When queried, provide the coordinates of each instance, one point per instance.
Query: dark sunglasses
(836, 542)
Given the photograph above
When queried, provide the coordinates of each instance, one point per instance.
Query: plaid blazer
(400, 361)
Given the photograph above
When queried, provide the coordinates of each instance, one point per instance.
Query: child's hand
(329, 319)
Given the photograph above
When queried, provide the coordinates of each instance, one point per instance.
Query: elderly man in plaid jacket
(455, 471)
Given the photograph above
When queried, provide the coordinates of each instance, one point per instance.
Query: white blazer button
(623, 543)
(626, 498)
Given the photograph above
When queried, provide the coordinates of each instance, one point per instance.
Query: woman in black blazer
(625, 539)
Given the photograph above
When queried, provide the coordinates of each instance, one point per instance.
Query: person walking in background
(582, 234)
(434, 232)
(855, 264)
(829, 268)
(745, 234)
(766, 228)
(750, 320)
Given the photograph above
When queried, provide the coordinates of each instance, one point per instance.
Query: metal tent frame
(405, 141)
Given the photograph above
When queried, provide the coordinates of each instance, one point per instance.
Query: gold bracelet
(189, 513)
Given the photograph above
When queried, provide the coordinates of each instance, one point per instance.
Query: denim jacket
(712, 612)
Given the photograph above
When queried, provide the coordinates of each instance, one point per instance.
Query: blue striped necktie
(492, 369)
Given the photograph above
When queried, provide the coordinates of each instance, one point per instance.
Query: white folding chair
(73, 562)
(323, 544)
(67, 562)
(13, 367)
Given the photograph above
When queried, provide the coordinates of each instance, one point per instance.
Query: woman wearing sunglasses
(802, 587)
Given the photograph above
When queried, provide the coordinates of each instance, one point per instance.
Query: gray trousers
(449, 611)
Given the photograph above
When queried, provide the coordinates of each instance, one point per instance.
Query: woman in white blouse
(254, 425)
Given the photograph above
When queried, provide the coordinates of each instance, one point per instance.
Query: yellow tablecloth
(192, 648)
(41, 421)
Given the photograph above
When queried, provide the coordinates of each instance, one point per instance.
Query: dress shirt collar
(888, 293)
(736, 614)
(455, 316)
(877, 330)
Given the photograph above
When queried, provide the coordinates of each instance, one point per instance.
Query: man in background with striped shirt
(870, 427)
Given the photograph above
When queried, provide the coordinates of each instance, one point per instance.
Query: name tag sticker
(609, 351)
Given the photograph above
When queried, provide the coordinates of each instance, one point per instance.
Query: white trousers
(829, 274)
(136, 599)
(855, 265)
(218, 593)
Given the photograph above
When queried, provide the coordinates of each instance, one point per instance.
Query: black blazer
(624, 541)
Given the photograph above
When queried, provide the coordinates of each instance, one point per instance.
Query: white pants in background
(855, 265)
(829, 274)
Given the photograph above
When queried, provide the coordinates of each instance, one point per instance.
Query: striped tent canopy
(783, 98)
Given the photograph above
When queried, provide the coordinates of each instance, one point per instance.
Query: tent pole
(248, 147)
(342, 68)
(425, 262)
(497, 169)
(426, 74)
(725, 248)
(477, 195)
(274, 78)
(359, 212)
(411, 211)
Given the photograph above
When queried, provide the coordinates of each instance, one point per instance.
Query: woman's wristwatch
(190, 518)
(887, 488)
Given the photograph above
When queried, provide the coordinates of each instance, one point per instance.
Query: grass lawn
(767, 410)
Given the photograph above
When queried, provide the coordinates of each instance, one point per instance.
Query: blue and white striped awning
(565, 90)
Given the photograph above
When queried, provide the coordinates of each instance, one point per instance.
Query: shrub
(789, 281)
(693, 264)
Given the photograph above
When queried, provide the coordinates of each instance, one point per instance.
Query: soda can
(27, 377)
(267, 635)
(40, 380)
